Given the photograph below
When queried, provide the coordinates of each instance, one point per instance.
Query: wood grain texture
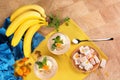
(98, 18)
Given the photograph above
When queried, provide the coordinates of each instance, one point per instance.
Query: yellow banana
(21, 30)
(27, 8)
(20, 19)
(28, 38)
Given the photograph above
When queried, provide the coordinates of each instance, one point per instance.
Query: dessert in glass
(45, 67)
(58, 43)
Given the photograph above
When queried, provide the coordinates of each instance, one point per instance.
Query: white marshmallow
(81, 55)
(83, 59)
(76, 54)
(96, 59)
(103, 63)
(92, 51)
(84, 63)
(77, 61)
(89, 56)
(80, 66)
(88, 66)
(92, 61)
(84, 50)
(87, 47)
(87, 52)
(81, 49)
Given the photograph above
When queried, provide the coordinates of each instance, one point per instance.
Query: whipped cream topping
(49, 64)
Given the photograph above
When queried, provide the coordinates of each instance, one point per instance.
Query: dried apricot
(45, 67)
(20, 72)
(20, 63)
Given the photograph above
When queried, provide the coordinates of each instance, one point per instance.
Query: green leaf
(44, 61)
(54, 22)
(61, 41)
(40, 64)
(53, 46)
(66, 19)
(57, 38)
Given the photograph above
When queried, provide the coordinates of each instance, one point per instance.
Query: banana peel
(20, 19)
(26, 20)
(22, 29)
(32, 7)
(28, 38)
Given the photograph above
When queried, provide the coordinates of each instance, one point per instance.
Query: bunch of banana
(26, 20)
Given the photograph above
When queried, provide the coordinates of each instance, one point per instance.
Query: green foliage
(56, 40)
(55, 21)
(41, 64)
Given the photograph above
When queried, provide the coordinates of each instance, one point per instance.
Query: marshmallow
(83, 59)
(103, 63)
(88, 66)
(92, 61)
(89, 56)
(84, 50)
(77, 61)
(85, 63)
(80, 66)
(92, 51)
(76, 55)
(81, 49)
(96, 59)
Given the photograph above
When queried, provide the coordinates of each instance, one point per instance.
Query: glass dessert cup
(58, 43)
(47, 70)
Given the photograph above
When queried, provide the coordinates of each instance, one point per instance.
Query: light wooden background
(98, 19)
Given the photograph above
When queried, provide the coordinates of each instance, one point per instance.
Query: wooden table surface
(98, 19)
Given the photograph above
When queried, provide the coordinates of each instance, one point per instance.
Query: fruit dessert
(58, 43)
(85, 59)
(45, 67)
